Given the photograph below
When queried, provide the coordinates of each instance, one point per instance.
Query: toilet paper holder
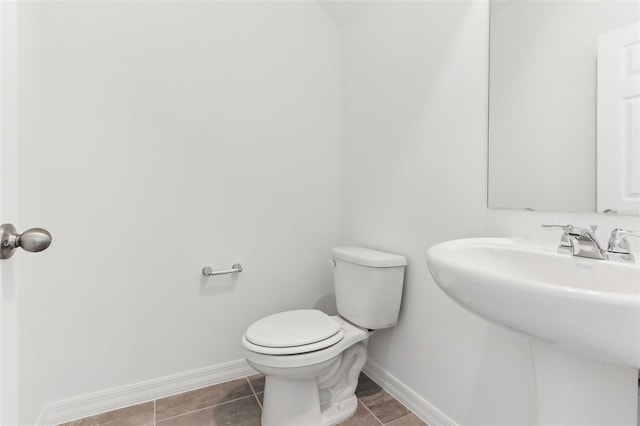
(208, 271)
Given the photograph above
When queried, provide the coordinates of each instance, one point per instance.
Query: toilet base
(313, 389)
(289, 402)
(339, 411)
(302, 404)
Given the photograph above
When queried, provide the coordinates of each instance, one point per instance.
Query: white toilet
(311, 360)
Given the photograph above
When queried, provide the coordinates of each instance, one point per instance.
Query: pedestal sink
(582, 317)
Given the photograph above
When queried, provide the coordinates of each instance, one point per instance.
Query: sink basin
(582, 317)
(585, 304)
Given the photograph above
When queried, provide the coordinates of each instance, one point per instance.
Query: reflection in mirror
(543, 98)
(619, 120)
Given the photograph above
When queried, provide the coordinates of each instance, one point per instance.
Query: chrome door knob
(33, 240)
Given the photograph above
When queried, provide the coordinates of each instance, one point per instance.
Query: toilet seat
(293, 332)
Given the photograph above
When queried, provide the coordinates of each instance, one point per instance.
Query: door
(619, 120)
(9, 294)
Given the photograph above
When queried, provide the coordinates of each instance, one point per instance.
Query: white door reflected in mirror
(619, 120)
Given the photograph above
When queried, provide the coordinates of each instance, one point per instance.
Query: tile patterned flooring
(239, 403)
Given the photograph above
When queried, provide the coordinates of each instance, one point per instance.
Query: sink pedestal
(573, 389)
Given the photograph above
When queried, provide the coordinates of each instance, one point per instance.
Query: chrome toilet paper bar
(207, 271)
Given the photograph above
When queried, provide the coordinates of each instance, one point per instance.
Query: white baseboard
(99, 402)
(414, 402)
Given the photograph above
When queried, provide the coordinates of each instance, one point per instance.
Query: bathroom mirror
(547, 150)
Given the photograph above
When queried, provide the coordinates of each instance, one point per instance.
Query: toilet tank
(368, 285)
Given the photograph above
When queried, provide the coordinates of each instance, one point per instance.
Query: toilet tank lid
(368, 257)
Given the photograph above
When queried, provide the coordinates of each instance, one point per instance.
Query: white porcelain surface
(369, 297)
(588, 306)
(294, 383)
(293, 329)
(368, 257)
(352, 335)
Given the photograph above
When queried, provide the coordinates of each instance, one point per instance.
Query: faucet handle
(624, 232)
(565, 228)
(575, 231)
(618, 242)
(565, 243)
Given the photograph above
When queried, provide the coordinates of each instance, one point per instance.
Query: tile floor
(238, 403)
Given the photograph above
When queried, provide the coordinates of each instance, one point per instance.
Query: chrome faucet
(580, 242)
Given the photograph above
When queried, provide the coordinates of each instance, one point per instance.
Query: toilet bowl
(312, 361)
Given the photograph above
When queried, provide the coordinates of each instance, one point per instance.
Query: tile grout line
(370, 412)
(258, 401)
(250, 385)
(206, 408)
(198, 387)
(395, 420)
(254, 392)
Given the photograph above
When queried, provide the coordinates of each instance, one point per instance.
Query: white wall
(414, 160)
(156, 138)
